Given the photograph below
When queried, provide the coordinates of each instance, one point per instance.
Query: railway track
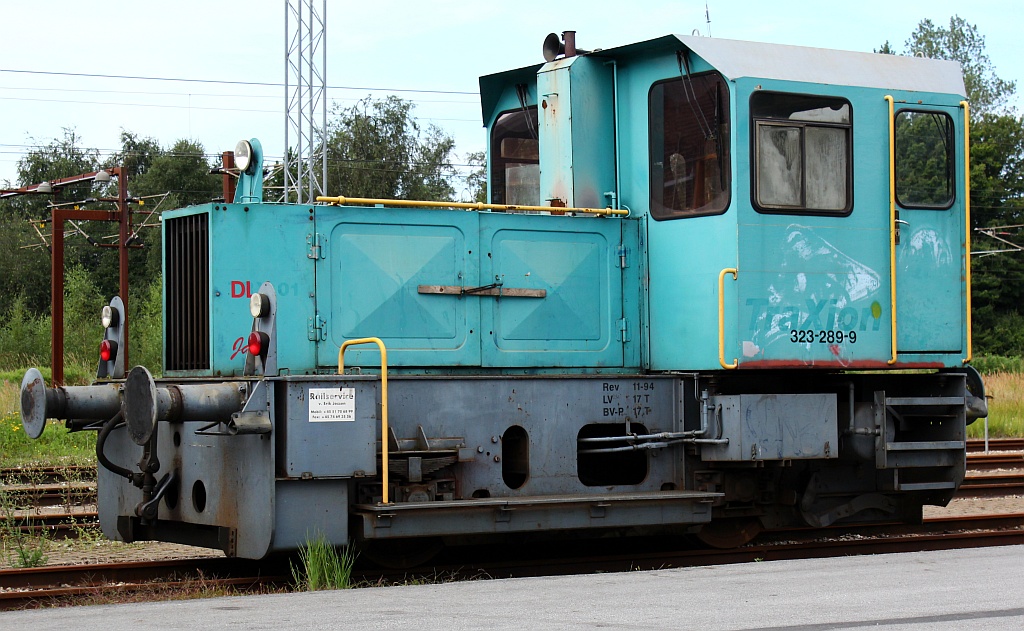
(51, 494)
(999, 484)
(21, 588)
(30, 489)
(994, 460)
(996, 444)
(47, 474)
(69, 584)
(56, 525)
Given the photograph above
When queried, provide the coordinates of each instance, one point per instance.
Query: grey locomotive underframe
(521, 454)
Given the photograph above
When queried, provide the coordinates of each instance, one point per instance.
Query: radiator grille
(187, 301)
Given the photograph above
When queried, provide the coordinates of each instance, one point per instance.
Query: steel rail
(27, 587)
(995, 444)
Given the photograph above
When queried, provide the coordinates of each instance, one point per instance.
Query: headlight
(259, 305)
(243, 155)
(108, 317)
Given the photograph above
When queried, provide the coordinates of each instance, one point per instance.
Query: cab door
(929, 228)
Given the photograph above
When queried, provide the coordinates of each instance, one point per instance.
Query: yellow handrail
(892, 222)
(721, 317)
(383, 397)
(967, 219)
(409, 203)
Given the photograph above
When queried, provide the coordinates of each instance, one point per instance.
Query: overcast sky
(417, 46)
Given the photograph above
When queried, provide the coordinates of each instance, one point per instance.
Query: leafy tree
(136, 154)
(997, 199)
(184, 172)
(62, 157)
(925, 175)
(25, 271)
(997, 170)
(963, 43)
(273, 181)
(376, 148)
(477, 178)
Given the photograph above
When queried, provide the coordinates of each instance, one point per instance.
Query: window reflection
(924, 159)
(689, 136)
(515, 159)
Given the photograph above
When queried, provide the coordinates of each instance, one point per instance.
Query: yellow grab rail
(721, 317)
(409, 203)
(967, 219)
(892, 222)
(383, 397)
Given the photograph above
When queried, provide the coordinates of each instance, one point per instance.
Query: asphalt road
(963, 589)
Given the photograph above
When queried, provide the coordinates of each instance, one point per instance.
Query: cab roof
(737, 59)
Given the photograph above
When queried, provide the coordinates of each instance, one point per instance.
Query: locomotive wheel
(730, 533)
(402, 554)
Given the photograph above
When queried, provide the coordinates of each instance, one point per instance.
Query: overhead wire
(227, 81)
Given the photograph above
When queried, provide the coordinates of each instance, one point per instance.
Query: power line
(160, 105)
(193, 107)
(217, 95)
(226, 82)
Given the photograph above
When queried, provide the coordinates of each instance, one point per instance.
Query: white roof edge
(736, 59)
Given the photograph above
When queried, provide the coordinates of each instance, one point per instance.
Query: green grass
(56, 446)
(20, 549)
(1005, 407)
(74, 375)
(993, 364)
(322, 566)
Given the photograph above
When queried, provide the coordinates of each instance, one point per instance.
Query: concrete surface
(962, 589)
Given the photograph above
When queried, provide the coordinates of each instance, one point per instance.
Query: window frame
(951, 170)
(497, 160)
(754, 131)
(726, 144)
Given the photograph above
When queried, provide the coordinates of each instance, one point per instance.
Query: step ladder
(922, 440)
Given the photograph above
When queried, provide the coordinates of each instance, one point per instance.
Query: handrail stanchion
(967, 229)
(892, 225)
(721, 317)
(383, 398)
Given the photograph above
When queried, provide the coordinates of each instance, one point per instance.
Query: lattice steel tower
(305, 87)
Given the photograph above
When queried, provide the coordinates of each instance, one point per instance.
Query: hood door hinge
(317, 244)
(316, 328)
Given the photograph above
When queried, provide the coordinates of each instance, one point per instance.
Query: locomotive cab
(717, 286)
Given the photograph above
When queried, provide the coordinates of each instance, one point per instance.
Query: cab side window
(924, 159)
(689, 141)
(802, 153)
(515, 158)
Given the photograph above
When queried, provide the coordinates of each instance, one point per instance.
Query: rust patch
(843, 365)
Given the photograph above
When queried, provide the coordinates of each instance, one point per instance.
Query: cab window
(515, 158)
(689, 140)
(924, 159)
(802, 153)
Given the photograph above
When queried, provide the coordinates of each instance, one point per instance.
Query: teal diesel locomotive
(717, 287)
